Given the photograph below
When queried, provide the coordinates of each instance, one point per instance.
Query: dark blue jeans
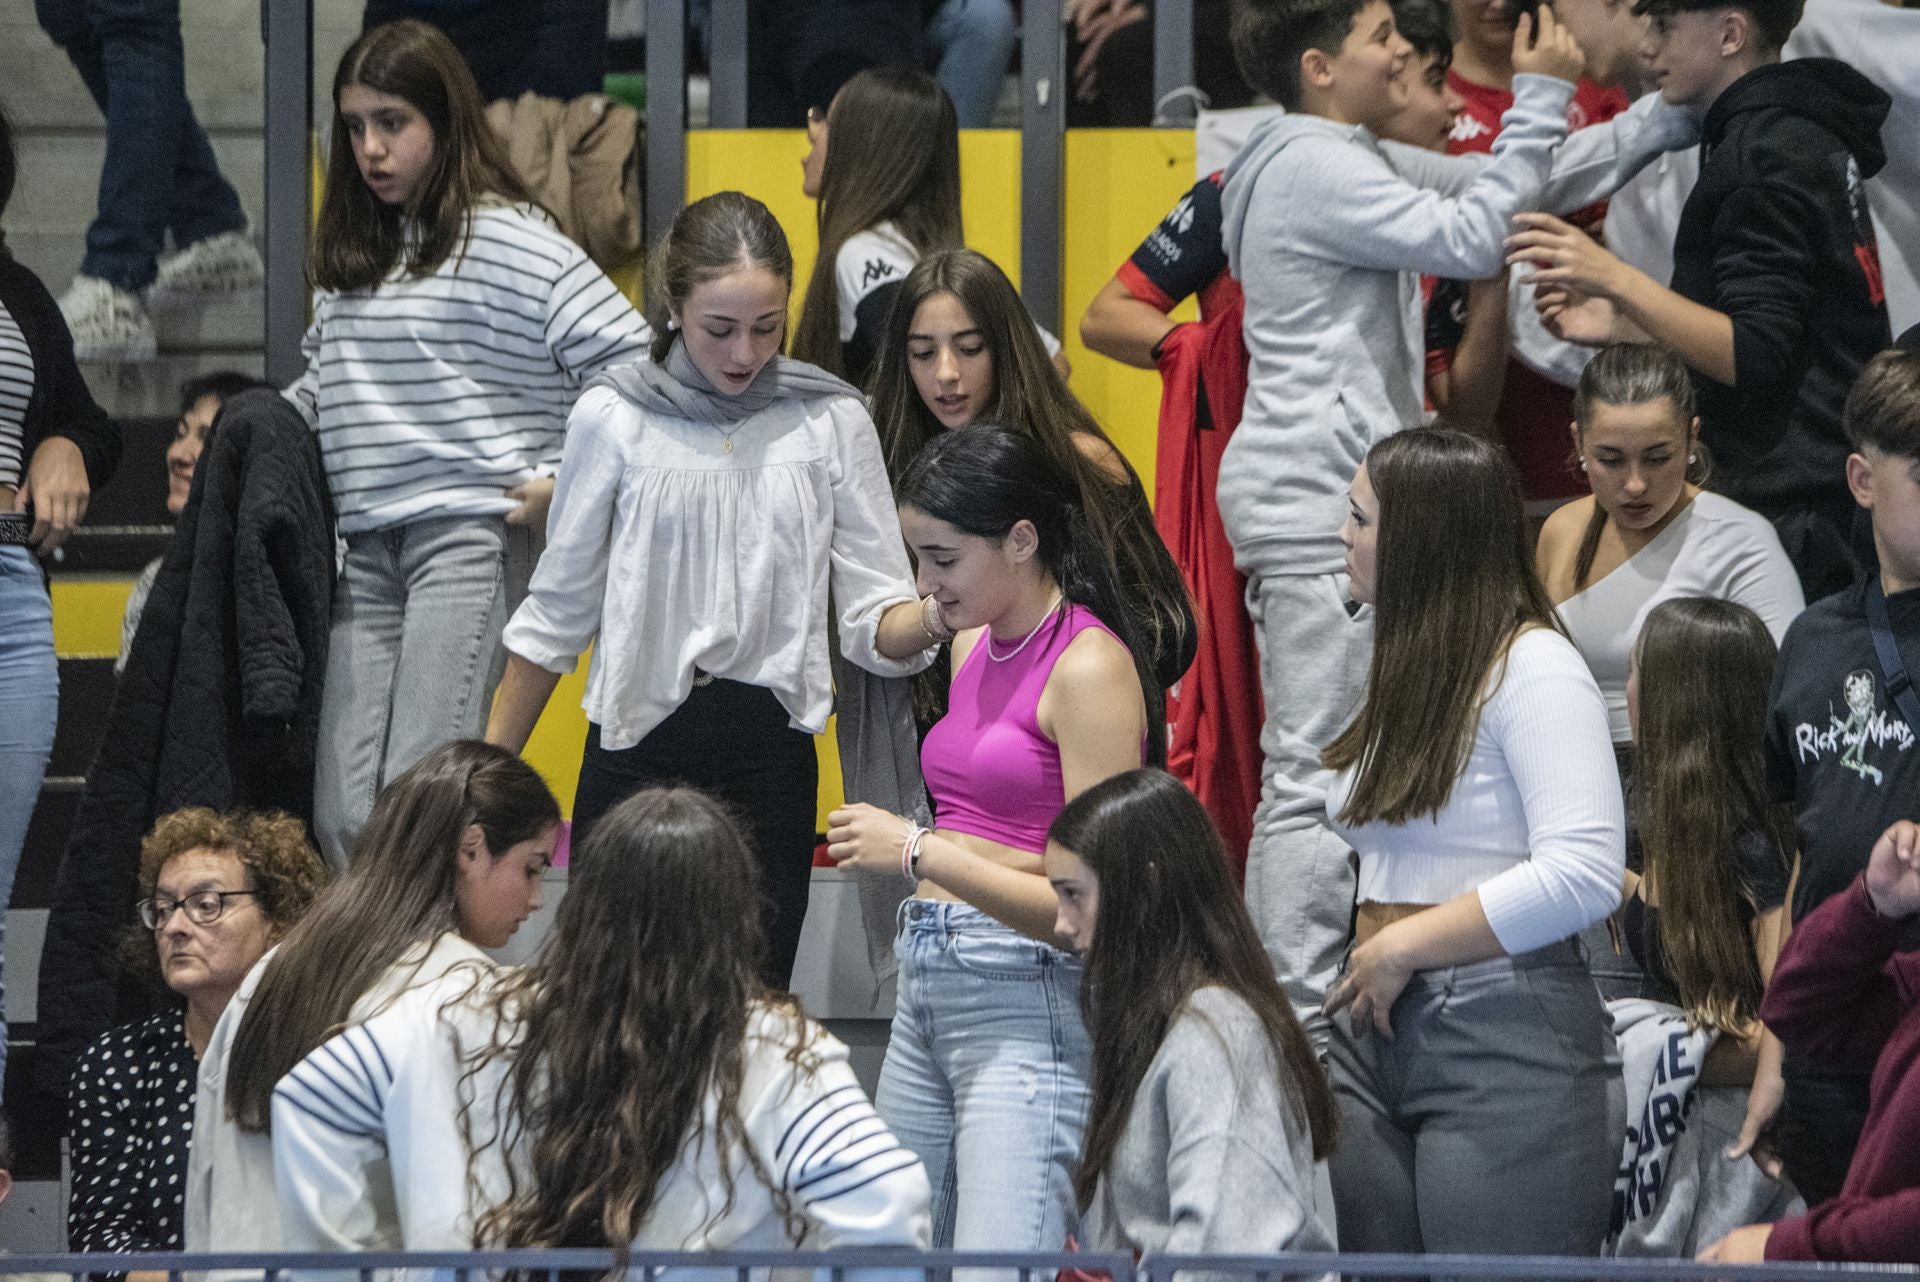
(159, 174)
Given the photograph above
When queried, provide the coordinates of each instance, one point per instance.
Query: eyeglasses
(203, 908)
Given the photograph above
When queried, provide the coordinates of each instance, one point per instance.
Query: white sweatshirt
(230, 1201)
(371, 1152)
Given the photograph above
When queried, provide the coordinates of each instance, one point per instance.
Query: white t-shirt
(868, 271)
(1712, 548)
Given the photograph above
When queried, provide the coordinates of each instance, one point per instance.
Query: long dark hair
(1631, 374)
(1706, 668)
(989, 478)
(1171, 922)
(1030, 397)
(360, 239)
(1454, 585)
(709, 238)
(893, 155)
(636, 1007)
(397, 892)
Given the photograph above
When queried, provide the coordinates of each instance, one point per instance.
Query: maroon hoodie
(1841, 996)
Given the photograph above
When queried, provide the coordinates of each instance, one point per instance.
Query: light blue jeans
(973, 40)
(414, 656)
(29, 705)
(988, 1077)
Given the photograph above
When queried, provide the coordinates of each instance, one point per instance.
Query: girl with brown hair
(889, 194)
(710, 499)
(636, 1086)
(453, 327)
(1478, 788)
(1209, 1108)
(450, 863)
(1706, 914)
(958, 350)
(1649, 532)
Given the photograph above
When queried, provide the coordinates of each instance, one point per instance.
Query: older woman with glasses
(217, 891)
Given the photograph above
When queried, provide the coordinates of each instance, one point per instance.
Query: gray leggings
(1491, 1123)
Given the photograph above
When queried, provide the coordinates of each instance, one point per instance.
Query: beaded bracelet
(930, 621)
(910, 853)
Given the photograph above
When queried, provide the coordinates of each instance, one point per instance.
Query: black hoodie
(1777, 235)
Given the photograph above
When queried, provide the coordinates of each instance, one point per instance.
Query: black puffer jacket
(219, 705)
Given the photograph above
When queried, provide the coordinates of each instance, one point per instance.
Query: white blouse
(1713, 548)
(684, 545)
(1535, 823)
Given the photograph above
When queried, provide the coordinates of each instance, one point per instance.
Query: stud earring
(1693, 458)
(1583, 465)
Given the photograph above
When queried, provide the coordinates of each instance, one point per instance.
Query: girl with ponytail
(449, 864)
(986, 1079)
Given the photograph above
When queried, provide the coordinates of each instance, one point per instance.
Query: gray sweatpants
(1300, 876)
(1491, 1123)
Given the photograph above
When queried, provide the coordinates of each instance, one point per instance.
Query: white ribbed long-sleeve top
(1535, 823)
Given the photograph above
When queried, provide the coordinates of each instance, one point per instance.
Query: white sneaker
(208, 269)
(108, 323)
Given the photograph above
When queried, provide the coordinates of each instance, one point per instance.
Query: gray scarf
(679, 389)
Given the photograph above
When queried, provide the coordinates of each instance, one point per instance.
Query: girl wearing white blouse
(1474, 1060)
(708, 500)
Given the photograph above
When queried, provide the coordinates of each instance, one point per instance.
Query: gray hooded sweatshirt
(1328, 230)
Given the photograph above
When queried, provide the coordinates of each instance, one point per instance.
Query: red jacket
(1841, 994)
(1214, 715)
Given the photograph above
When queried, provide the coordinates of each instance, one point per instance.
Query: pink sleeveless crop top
(989, 769)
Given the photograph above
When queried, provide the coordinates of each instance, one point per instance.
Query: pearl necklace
(1002, 658)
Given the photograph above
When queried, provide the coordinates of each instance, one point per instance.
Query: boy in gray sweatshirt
(1328, 229)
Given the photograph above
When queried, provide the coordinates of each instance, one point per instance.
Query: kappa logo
(1866, 726)
(1180, 220)
(1466, 128)
(877, 269)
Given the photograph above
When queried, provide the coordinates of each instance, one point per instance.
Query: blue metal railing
(1033, 1266)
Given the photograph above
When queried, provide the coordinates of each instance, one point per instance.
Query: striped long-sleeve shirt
(370, 1151)
(433, 395)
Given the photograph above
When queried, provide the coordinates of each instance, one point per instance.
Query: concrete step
(154, 388)
(59, 184)
(231, 322)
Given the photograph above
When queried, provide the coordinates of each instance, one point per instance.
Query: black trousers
(731, 740)
(1821, 1116)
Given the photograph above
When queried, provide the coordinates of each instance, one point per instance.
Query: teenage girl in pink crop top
(987, 1073)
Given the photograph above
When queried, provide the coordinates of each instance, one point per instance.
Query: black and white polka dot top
(132, 1126)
